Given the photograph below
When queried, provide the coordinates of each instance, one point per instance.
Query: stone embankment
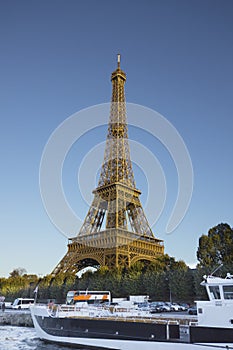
(20, 319)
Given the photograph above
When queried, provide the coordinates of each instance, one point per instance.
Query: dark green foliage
(198, 278)
(18, 286)
(18, 272)
(215, 251)
(216, 248)
(162, 279)
(155, 279)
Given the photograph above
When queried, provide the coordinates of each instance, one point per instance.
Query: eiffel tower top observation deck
(115, 231)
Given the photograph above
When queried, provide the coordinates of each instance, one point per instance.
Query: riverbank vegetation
(164, 279)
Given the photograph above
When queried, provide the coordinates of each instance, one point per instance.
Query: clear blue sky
(56, 59)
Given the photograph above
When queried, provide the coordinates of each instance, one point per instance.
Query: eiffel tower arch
(115, 231)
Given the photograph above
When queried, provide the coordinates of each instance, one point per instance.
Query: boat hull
(204, 334)
(111, 333)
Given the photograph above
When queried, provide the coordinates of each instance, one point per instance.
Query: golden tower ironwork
(115, 231)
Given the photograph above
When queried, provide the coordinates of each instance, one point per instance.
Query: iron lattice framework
(115, 231)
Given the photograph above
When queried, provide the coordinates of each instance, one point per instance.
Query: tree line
(165, 279)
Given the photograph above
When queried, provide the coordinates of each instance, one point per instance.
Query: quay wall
(19, 319)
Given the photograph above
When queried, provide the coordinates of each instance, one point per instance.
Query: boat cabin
(219, 288)
(218, 310)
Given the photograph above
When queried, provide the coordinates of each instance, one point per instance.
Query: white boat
(131, 329)
(215, 316)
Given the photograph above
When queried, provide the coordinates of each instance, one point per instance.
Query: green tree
(44, 287)
(20, 271)
(200, 291)
(216, 248)
(18, 285)
(57, 287)
(132, 279)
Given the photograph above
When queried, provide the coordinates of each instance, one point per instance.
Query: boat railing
(103, 312)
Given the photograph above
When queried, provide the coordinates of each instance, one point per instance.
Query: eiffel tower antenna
(115, 231)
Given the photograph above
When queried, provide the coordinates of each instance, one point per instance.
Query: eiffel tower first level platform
(115, 231)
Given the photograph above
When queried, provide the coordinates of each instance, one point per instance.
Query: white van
(22, 303)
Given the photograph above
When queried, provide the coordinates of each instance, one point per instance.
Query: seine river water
(23, 338)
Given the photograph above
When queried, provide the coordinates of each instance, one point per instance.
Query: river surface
(24, 338)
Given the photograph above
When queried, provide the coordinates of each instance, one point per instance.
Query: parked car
(143, 306)
(161, 306)
(155, 307)
(22, 303)
(164, 307)
(192, 310)
(184, 307)
(174, 306)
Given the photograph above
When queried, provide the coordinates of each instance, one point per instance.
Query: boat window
(228, 292)
(214, 292)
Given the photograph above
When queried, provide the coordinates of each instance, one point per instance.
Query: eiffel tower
(115, 231)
